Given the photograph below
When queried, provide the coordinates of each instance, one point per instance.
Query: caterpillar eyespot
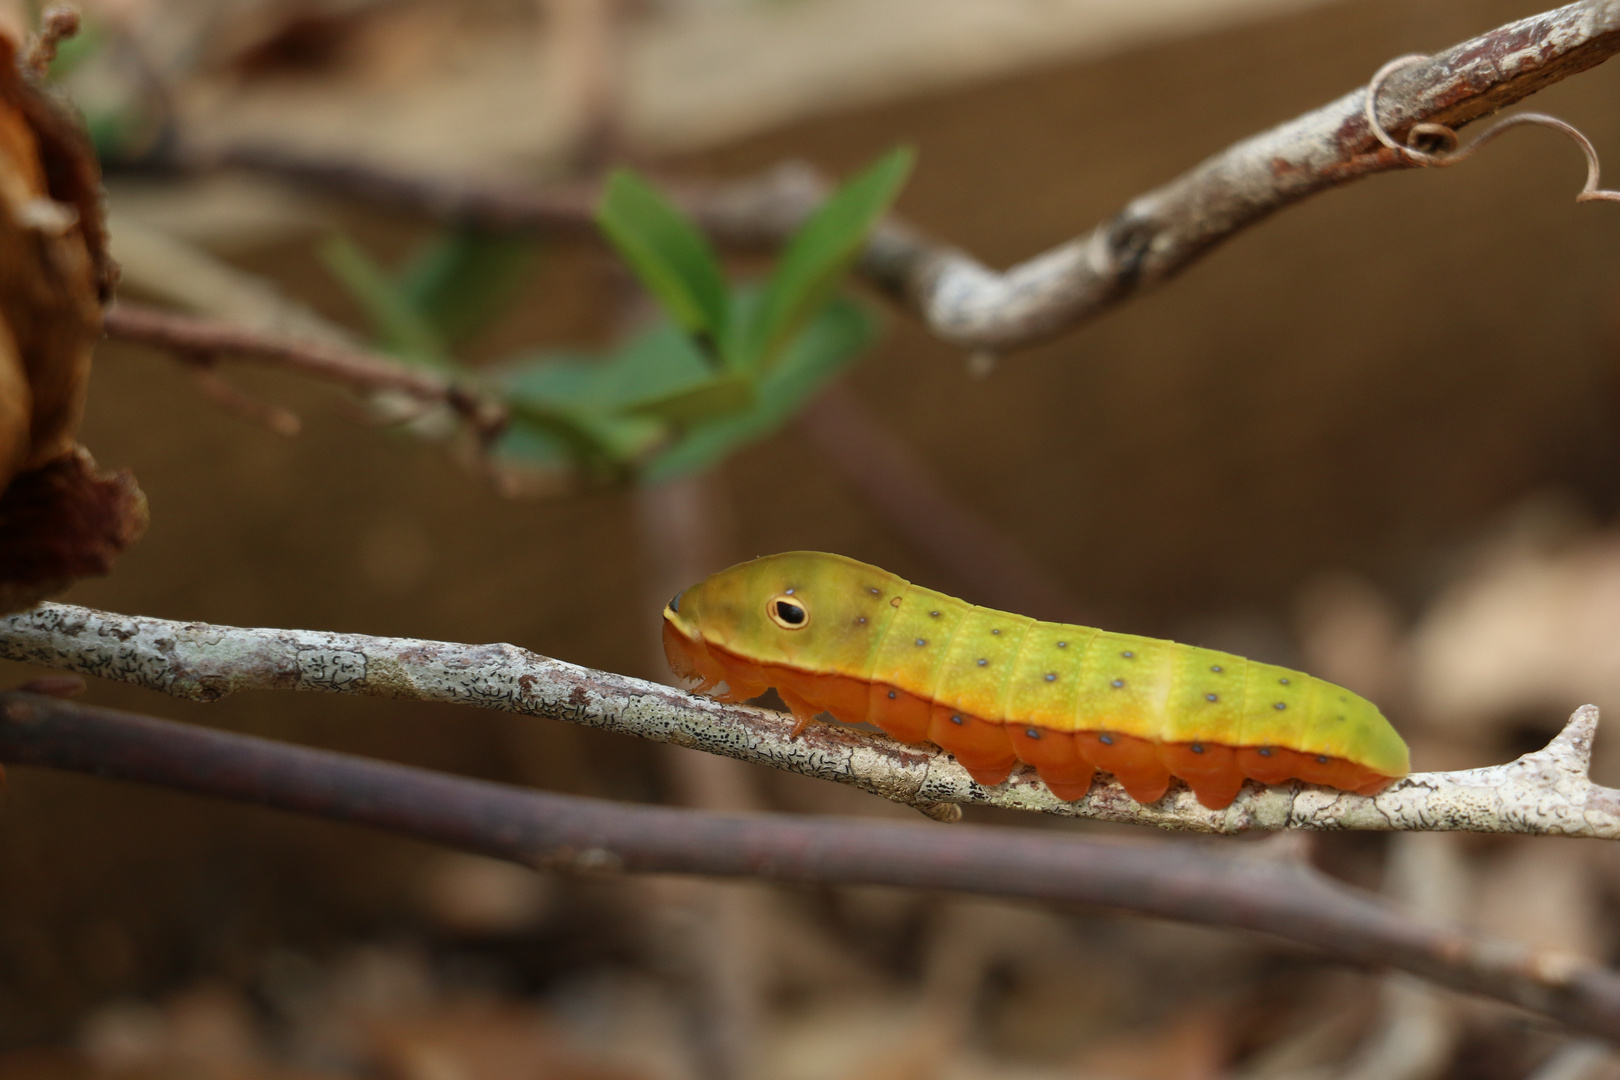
(994, 700)
(786, 613)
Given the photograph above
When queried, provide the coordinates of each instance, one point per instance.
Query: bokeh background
(1377, 436)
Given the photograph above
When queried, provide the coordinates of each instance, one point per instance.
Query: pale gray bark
(1546, 792)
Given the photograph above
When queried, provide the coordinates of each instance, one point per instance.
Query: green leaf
(545, 429)
(717, 396)
(673, 259)
(618, 407)
(835, 336)
(821, 253)
(463, 278)
(597, 454)
(656, 363)
(401, 329)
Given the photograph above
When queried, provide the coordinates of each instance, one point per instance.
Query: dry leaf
(59, 518)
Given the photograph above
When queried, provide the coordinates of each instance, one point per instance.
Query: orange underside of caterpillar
(989, 747)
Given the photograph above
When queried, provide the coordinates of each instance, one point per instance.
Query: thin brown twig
(1174, 881)
(233, 399)
(1152, 238)
(192, 337)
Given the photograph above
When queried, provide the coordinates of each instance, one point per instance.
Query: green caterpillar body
(835, 635)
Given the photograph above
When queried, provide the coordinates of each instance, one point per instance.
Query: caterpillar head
(803, 609)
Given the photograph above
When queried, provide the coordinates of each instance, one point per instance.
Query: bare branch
(1547, 792)
(1174, 881)
(1152, 238)
(196, 338)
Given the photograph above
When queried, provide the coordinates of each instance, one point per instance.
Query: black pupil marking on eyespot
(934, 614)
(789, 612)
(956, 719)
(1198, 748)
(1118, 683)
(921, 641)
(1106, 739)
(1051, 676)
(995, 631)
(1212, 697)
(1265, 751)
(1033, 733)
(1280, 706)
(892, 695)
(675, 602)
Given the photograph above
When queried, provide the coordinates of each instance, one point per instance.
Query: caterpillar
(838, 636)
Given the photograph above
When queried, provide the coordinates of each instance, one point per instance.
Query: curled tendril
(1436, 145)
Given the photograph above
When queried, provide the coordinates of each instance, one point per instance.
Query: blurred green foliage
(727, 365)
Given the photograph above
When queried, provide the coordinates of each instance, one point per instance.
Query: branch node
(1571, 749)
(948, 812)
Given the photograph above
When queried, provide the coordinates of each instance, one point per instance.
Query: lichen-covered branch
(1546, 792)
(1153, 237)
(1285, 898)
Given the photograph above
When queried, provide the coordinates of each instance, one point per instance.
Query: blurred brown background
(1376, 436)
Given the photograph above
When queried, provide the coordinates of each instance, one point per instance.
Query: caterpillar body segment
(835, 635)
